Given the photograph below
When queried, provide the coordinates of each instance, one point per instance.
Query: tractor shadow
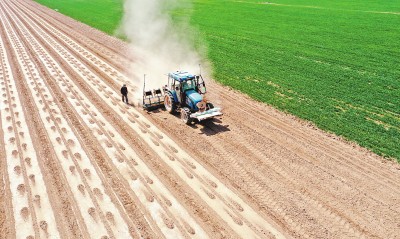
(211, 127)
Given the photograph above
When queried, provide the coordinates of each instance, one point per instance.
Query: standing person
(124, 92)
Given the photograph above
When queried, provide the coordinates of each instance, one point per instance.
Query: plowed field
(76, 162)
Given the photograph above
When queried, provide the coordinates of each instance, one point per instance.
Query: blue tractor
(184, 94)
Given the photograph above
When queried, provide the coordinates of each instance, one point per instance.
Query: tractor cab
(184, 81)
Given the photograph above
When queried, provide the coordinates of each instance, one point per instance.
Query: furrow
(108, 142)
(181, 173)
(347, 177)
(113, 145)
(28, 165)
(54, 128)
(304, 169)
(98, 38)
(364, 167)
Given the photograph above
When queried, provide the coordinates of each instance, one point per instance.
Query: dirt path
(78, 163)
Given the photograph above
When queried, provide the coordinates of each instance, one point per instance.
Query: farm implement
(183, 94)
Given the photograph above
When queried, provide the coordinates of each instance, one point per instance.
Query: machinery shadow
(212, 127)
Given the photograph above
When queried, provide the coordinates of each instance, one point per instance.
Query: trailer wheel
(209, 106)
(185, 115)
(169, 103)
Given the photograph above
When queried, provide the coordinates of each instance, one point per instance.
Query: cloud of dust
(158, 46)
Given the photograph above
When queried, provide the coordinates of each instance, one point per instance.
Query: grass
(334, 63)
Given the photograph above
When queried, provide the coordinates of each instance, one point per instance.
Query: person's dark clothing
(124, 92)
(126, 98)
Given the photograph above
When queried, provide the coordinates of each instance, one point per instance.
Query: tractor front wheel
(185, 115)
(169, 103)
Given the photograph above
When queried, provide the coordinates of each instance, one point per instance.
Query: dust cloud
(158, 46)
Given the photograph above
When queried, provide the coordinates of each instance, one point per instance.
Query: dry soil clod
(188, 228)
(37, 200)
(71, 142)
(43, 225)
(21, 188)
(167, 201)
(132, 175)
(81, 188)
(65, 153)
(148, 180)
(92, 212)
(78, 156)
(15, 153)
(24, 212)
(168, 222)
(72, 169)
(86, 172)
(32, 178)
(98, 193)
(17, 170)
(28, 161)
(110, 217)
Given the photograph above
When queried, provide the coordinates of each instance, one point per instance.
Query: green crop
(104, 15)
(335, 63)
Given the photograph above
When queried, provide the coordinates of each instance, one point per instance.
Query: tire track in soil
(365, 168)
(250, 144)
(327, 207)
(287, 186)
(345, 180)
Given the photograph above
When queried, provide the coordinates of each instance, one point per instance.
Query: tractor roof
(181, 76)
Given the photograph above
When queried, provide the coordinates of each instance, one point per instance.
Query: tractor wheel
(169, 103)
(185, 115)
(209, 106)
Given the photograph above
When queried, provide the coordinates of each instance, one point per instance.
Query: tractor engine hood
(194, 96)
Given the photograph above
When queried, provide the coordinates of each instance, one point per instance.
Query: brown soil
(75, 162)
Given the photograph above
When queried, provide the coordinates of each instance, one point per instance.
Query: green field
(335, 63)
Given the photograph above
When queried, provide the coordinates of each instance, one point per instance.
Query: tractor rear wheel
(185, 115)
(169, 103)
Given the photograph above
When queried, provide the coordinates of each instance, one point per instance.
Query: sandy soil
(76, 162)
